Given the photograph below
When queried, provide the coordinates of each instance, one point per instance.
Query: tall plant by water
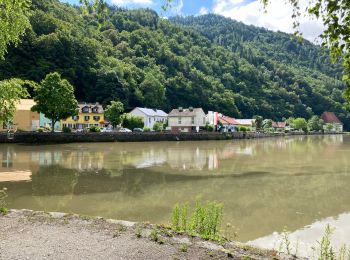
(204, 221)
(3, 196)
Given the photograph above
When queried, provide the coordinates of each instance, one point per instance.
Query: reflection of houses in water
(15, 176)
(16, 161)
(82, 160)
(149, 158)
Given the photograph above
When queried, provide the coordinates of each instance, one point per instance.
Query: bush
(66, 129)
(243, 129)
(131, 121)
(158, 126)
(209, 128)
(3, 195)
(147, 129)
(94, 129)
(40, 130)
(205, 220)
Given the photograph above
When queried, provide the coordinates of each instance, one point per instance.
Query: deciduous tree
(55, 98)
(113, 112)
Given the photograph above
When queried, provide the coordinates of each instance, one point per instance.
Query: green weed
(3, 196)
(205, 220)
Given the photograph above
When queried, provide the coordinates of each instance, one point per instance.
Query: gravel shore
(26, 234)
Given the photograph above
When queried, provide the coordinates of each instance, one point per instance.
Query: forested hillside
(208, 61)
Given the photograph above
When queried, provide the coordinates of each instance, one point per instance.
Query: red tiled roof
(278, 124)
(225, 120)
(330, 117)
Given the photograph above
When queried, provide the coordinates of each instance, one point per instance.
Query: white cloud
(135, 2)
(203, 11)
(278, 16)
(177, 7)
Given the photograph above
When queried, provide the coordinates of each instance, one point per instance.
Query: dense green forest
(208, 61)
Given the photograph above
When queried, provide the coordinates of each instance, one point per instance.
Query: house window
(179, 121)
(96, 118)
(85, 109)
(86, 118)
(203, 120)
(75, 118)
(95, 110)
(192, 120)
(149, 120)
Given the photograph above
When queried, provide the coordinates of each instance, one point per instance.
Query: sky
(277, 17)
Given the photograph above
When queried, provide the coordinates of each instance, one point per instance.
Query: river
(298, 183)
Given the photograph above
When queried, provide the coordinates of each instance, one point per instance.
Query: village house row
(178, 120)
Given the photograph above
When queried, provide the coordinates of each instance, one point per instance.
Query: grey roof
(185, 112)
(90, 106)
(152, 112)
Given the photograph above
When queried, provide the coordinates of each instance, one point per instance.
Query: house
(279, 126)
(150, 116)
(246, 122)
(212, 118)
(228, 124)
(24, 119)
(88, 115)
(186, 120)
(330, 119)
(46, 122)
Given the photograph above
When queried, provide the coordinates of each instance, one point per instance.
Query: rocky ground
(26, 234)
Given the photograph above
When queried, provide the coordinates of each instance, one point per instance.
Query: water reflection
(305, 240)
(264, 184)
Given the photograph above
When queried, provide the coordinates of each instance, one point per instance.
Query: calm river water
(301, 183)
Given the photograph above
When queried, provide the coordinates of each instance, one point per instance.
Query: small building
(279, 126)
(88, 115)
(47, 123)
(330, 119)
(24, 119)
(228, 124)
(213, 118)
(186, 120)
(150, 116)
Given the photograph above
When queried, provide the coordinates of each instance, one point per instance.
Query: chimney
(180, 109)
(191, 109)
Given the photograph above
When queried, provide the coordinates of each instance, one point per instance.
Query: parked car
(125, 130)
(138, 130)
(106, 130)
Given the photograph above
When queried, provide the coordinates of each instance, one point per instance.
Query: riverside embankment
(42, 138)
(27, 234)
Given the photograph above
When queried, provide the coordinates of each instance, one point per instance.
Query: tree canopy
(113, 112)
(209, 61)
(11, 91)
(55, 98)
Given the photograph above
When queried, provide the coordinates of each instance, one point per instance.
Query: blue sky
(277, 17)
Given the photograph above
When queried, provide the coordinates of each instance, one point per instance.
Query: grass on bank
(3, 196)
(203, 220)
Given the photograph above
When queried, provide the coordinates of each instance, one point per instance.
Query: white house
(186, 120)
(150, 116)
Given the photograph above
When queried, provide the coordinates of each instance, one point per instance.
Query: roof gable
(152, 112)
(330, 118)
(186, 112)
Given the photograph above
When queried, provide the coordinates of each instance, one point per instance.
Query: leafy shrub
(209, 128)
(158, 126)
(205, 220)
(147, 129)
(40, 130)
(243, 129)
(66, 129)
(3, 196)
(94, 129)
(131, 121)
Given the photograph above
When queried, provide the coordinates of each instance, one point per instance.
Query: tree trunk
(53, 122)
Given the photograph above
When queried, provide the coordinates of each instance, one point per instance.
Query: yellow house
(24, 119)
(88, 115)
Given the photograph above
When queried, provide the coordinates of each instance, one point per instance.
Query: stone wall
(42, 138)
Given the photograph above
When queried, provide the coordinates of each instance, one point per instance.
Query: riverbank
(55, 138)
(27, 234)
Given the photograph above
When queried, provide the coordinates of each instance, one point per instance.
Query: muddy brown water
(301, 183)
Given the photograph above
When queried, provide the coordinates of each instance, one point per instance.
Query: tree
(55, 98)
(131, 121)
(329, 127)
(113, 112)
(258, 122)
(315, 124)
(267, 123)
(13, 22)
(11, 91)
(300, 124)
(336, 36)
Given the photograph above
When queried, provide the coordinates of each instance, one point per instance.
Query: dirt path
(36, 235)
